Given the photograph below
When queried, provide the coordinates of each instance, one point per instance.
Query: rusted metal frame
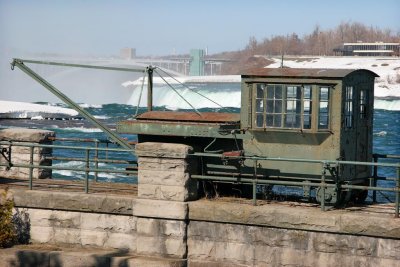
(20, 64)
(212, 117)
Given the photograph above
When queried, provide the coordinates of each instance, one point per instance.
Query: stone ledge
(160, 209)
(163, 150)
(304, 218)
(73, 201)
(26, 135)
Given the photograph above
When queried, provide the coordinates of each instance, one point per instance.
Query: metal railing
(323, 184)
(90, 159)
(91, 162)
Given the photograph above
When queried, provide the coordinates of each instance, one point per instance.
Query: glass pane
(270, 106)
(291, 106)
(270, 120)
(259, 105)
(278, 91)
(323, 106)
(307, 121)
(297, 121)
(289, 120)
(278, 106)
(306, 106)
(307, 92)
(323, 121)
(278, 120)
(324, 93)
(270, 92)
(259, 120)
(260, 90)
(291, 93)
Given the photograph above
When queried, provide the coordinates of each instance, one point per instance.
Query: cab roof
(303, 73)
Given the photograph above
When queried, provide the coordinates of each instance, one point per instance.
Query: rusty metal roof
(212, 117)
(303, 73)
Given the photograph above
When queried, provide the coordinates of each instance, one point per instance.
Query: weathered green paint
(333, 143)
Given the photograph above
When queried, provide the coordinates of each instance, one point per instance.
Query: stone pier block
(164, 172)
(21, 154)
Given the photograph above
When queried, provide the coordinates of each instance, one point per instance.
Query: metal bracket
(6, 153)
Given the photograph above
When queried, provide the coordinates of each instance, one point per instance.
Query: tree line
(318, 43)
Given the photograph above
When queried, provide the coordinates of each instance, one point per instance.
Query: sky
(161, 27)
(154, 28)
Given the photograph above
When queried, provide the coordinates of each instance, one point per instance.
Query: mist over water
(225, 94)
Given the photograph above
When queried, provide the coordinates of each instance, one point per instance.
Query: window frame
(329, 108)
(307, 100)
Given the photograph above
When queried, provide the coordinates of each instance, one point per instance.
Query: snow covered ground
(387, 85)
(22, 110)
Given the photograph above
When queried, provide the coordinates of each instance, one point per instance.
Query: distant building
(127, 53)
(196, 67)
(368, 49)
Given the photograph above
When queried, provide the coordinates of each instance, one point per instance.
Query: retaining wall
(166, 221)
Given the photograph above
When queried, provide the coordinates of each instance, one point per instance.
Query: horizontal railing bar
(332, 162)
(92, 160)
(63, 147)
(275, 182)
(69, 168)
(83, 140)
(384, 156)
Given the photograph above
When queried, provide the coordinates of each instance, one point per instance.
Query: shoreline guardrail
(91, 159)
(325, 165)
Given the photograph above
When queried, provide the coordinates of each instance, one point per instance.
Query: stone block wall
(21, 154)
(222, 244)
(83, 229)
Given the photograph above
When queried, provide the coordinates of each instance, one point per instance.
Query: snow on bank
(388, 68)
(22, 110)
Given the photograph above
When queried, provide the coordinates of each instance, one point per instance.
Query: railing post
(30, 167)
(255, 184)
(397, 193)
(87, 171)
(374, 179)
(96, 158)
(323, 186)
